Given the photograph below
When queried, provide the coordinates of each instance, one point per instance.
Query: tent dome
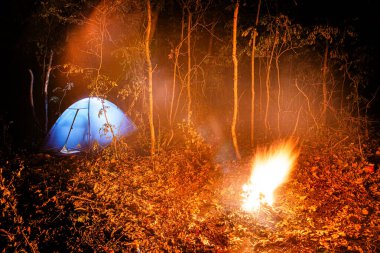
(86, 122)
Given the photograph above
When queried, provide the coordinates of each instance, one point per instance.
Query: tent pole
(71, 127)
(89, 121)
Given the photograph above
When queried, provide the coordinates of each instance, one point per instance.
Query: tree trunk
(47, 77)
(235, 62)
(150, 79)
(155, 13)
(31, 96)
(211, 40)
(278, 97)
(253, 75)
(324, 83)
(189, 20)
(267, 81)
(260, 90)
(175, 67)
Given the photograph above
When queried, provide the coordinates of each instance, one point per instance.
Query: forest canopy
(302, 73)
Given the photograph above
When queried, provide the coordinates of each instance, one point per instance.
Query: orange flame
(270, 169)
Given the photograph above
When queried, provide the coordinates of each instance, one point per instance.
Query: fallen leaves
(182, 201)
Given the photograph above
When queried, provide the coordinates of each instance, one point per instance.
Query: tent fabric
(88, 121)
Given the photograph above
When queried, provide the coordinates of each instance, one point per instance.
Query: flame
(270, 169)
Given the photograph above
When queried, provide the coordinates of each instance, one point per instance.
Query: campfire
(270, 168)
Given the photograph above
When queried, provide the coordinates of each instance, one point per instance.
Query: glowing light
(270, 169)
(86, 122)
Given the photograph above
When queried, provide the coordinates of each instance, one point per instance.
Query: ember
(270, 169)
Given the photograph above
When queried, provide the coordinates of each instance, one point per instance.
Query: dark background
(16, 19)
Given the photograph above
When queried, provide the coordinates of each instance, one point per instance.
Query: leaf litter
(184, 200)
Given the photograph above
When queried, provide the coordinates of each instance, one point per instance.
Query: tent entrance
(64, 150)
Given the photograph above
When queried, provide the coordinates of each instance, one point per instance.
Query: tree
(188, 83)
(267, 79)
(254, 35)
(51, 16)
(31, 97)
(325, 37)
(176, 52)
(150, 77)
(235, 63)
(324, 83)
(46, 85)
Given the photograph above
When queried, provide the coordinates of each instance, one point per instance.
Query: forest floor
(189, 200)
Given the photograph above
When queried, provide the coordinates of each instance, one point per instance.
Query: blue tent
(88, 121)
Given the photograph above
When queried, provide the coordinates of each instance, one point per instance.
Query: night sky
(16, 17)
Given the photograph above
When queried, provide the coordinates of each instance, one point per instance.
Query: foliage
(14, 232)
(59, 97)
(183, 201)
(111, 51)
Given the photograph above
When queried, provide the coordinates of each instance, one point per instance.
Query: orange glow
(103, 30)
(270, 169)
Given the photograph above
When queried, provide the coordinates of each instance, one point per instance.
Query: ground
(189, 200)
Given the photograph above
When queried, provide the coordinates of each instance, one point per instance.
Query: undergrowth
(186, 200)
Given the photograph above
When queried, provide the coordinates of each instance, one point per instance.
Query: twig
(9, 235)
(81, 198)
(296, 124)
(27, 241)
(336, 144)
(308, 103)
(56, 216)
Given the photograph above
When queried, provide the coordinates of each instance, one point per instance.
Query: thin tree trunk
(47, 77)
(150, 79)
(235, 62)
(342, 93)
(97, 90)
(356, 85)
(324, 84)
(308, 103)
(267, 82)
(278, 97)
(175, 67)
(102, 34)
(261, 90)
(189, 20)
(253, 75)
(211, 40)
(176, 54)
(31, 95)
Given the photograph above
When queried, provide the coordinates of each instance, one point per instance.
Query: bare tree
(267, 79)
(31, 95)
(235, 62)
(46, 85)
(176, 52)
(150, 78)
(254, 35)
(324, 83)
(188, 84)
